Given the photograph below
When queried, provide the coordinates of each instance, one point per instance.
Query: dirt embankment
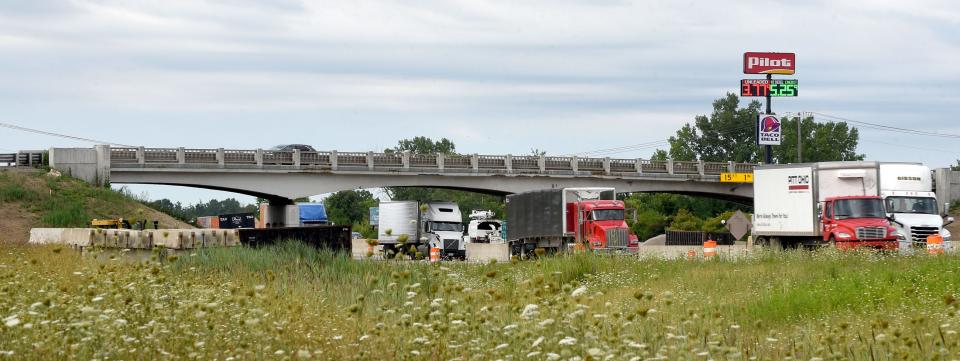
(31, 198)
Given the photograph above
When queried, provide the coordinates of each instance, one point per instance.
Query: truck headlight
(945, 234)
(901, 237)
(843, 235)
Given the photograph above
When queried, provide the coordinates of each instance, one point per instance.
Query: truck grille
(451, 244)
(920, 234)
(617, 238)
(864, 233)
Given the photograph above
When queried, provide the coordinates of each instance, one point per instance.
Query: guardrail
(411, 162)
(22, 159)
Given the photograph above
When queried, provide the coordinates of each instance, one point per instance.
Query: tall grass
(291, 301)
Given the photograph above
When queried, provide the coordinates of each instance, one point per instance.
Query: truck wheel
(832, 243)
(776, 243)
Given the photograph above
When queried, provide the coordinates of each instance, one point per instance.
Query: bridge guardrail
(30, 158)
(405, 161)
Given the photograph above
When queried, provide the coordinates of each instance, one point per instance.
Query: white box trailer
(788, 200)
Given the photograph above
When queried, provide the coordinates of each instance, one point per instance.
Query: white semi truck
(907, 190)
(424, 225)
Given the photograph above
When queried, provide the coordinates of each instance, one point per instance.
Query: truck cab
(857, 221)
(912, 206)
(602, 225)
(441, 226)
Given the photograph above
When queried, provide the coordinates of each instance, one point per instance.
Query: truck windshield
(921, 205)
(608, 215)
(446, 227)
(858, 208)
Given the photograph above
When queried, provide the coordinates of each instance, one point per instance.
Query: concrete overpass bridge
(281, 176)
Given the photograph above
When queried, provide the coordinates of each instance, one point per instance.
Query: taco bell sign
(769, 63)
(768, 130)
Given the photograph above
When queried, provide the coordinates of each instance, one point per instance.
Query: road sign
(374, 216)
(771, 87)
(738, 225)
(736, 177)
(769, 63)
(768, 130)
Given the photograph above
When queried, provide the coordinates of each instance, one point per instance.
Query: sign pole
(768, 150)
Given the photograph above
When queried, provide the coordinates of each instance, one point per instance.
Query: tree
(424, 145)
(729, 134)
(686, 221)
(349, 207)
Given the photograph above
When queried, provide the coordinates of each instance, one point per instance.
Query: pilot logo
(768, 130)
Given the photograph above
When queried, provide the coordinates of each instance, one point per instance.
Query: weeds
(292, 301)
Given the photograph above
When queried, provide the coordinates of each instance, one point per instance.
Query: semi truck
(907, 190)
(816, 204)
(560, 219)
(422, 225)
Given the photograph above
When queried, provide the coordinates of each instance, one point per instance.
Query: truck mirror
(948, 221)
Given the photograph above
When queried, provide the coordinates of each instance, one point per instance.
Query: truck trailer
(424, 225)
(558, 219)
(816, 204)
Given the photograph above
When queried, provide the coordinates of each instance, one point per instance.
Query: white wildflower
(537, 342)
(595, 352)
(364, 338)
(259, 287)
(279, 353)
(533, 354)
(529, 311)
(509, 327)
(552, 357)
(500, 346)
(771, 339)
(546, 322)
(568, 341)
(97, 299)
(11, 321)
(303, 354)
(579, 291)
(411, 294)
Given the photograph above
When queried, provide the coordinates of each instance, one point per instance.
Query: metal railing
(28, 158)
(417, 163)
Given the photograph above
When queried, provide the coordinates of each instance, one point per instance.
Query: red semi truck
(560, 219)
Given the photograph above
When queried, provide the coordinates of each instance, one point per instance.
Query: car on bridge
(292, 147)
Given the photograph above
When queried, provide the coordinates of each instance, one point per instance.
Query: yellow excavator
(118, 223)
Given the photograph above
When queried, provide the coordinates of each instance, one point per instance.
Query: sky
(563, 76)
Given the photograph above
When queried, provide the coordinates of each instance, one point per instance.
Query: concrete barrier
(672, 252)
(46, 236)
(359, 248)
(484, 252)
(78, 237)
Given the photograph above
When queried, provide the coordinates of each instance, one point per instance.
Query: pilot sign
(768, 130)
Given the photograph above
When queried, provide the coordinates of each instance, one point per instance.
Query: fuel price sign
(773, 87)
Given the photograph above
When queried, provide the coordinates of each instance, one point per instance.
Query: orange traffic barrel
(434, 255)
(934, 244)
(709, 248)
(691, 254)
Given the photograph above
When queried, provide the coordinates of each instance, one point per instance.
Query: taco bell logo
(768, 130)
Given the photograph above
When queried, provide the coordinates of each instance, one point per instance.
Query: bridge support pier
(280, 212)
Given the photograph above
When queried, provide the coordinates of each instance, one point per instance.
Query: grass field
(293, 302)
